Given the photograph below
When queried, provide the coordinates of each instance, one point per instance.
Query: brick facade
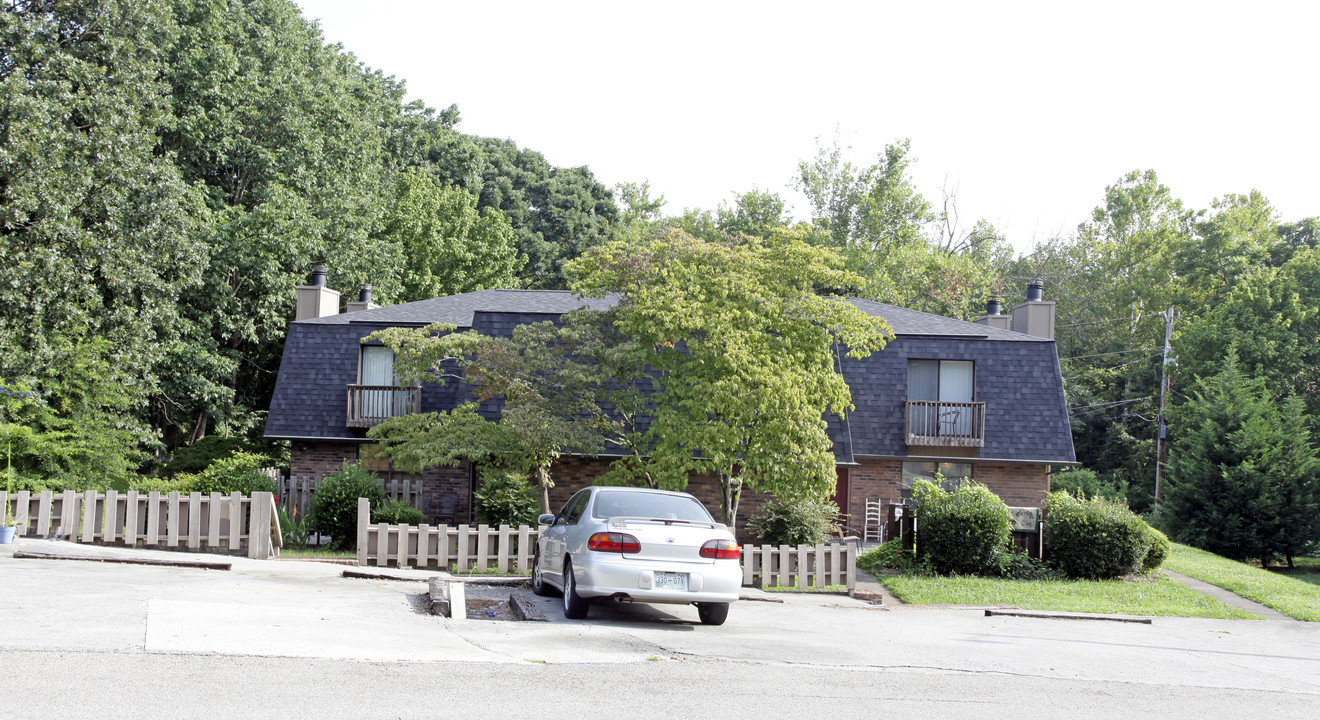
(318, 459)
(448, 489)
(1017, 485)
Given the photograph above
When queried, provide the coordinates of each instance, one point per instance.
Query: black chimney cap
(1035, 290)
(993, 306)
(365, 294)
(318, 275)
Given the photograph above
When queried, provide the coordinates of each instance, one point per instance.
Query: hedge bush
(506, 498)
(334, 506)
(1094, 539)
(962, 531)
(800, 522)
(396, 512)
(240, 472)
(890, 556)
(1158, 552)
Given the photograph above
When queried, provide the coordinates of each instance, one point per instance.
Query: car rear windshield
(614, 503)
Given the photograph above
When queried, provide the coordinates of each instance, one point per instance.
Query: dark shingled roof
(1017, 375)
(458, 309)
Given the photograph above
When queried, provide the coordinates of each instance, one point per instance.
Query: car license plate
(671, 581)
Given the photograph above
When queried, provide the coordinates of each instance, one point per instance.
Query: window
(936, 390)
(954, 474)
(574, 508)
(378, 366)
(940, 380)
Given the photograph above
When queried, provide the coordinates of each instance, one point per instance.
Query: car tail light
(614, 542)
(721, 550)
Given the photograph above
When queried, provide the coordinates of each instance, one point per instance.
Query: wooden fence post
(364, 517)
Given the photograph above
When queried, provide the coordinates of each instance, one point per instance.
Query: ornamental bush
(506, 498)
(795, 522)
(334, 506)
(1094, 539)
(240, 472)
(397, 512)
(1158, 552)
(962, 531)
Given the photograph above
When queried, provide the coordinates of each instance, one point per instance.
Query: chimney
(363, 302)
(993, 316)
(315, 299)
(1035, 316)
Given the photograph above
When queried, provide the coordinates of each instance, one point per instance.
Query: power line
(1110, 404)
(1117, 352)
(1116, 367)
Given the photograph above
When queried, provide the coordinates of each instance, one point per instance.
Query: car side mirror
(546, 519)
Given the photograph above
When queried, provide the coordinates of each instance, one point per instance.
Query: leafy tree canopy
(745, 352)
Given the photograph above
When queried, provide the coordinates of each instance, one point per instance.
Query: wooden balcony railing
(370, 405)
(945, 424)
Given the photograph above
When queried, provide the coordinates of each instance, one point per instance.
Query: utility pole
(1162, 423)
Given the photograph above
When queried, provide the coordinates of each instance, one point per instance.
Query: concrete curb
(1067, 616)
(161, 562)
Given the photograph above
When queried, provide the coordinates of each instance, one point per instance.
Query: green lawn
(1289, 595)
(1160, 597)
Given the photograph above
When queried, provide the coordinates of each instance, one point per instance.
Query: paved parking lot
(77, 619)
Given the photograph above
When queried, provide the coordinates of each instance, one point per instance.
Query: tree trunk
(543, 475)
(730, 491)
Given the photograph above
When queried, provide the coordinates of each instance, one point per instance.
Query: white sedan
(637, 545)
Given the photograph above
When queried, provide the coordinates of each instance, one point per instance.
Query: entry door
(841, 491)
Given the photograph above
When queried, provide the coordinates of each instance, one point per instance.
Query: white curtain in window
(378, 369)
(377, 366)
(956, 381)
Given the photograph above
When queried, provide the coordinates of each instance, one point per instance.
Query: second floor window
(940, 380)
(378, 366)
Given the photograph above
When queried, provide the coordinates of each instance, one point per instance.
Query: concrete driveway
(283, 615)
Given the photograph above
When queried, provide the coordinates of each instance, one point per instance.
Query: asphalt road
(285, 639)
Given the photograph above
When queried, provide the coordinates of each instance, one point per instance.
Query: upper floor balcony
(370, 405)
(945, 424)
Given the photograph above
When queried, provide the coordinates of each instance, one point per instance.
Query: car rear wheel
(539, 585)
(712, 613)
(575, 606)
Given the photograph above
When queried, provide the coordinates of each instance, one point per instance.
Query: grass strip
(315, 553)
(1111, 597)
(1289, 595)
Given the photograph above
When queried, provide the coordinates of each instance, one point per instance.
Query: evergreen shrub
(1158, 551)
(795, 522)
(1094, 539)
(396, 512)
(334, 506)
(964, 530)
(506, 498)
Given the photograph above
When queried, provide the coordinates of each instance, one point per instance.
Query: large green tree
(97, 227)
(1244, 480)
(906, 252)
(745, 350)
(446, 244)
(286, 137)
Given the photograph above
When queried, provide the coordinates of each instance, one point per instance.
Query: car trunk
(667, 540)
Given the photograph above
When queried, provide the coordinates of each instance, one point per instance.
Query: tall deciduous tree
(447, 245)
(745, 351)
(908, 253)
(97, 237)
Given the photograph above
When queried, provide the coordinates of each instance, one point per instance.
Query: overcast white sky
(1028, 109)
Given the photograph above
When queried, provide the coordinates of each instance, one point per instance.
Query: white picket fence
(505, 548)
(297, 491)
(804, 566)
(212, 523)
(463, 548)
